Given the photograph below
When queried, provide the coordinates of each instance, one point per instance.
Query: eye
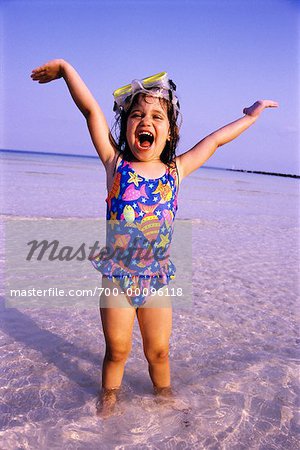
(134, 115)
(158, 117)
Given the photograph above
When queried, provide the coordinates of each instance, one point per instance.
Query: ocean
(234, 349)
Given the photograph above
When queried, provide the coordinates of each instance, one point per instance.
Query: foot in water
(163, 391)
(106, 402)
(166, 396)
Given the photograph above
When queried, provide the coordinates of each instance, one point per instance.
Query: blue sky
(222, 54)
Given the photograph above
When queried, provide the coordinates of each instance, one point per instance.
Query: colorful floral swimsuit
(140, 222)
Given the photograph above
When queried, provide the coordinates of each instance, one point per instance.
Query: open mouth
(145, 139)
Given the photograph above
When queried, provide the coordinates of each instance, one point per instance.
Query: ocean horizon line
(69, 155)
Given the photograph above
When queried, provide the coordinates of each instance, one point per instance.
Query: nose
(146, 120)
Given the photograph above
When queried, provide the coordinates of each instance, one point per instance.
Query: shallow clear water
(234, 351)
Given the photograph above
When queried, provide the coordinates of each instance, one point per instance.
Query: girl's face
(147, 128)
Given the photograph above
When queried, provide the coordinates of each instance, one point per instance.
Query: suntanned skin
(155, 322)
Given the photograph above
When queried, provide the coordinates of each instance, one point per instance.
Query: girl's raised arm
(198, 155)
(96, 121)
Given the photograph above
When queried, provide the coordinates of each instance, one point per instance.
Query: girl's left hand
(259, 106)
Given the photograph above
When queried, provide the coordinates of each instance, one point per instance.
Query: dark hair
(120, 127)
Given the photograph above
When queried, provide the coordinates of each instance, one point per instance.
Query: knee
(157, 355)
(117, 353)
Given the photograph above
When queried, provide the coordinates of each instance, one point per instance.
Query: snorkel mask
(157, 85)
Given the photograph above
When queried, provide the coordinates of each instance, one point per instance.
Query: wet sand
(234, 351)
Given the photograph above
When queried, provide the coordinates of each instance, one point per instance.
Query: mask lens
(155, 79)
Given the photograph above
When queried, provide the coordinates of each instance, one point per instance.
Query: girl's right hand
(50, 71)
(256, 109)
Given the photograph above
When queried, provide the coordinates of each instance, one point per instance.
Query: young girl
(143, 177)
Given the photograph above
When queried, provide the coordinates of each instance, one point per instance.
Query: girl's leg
(155, 321)
(117, 317)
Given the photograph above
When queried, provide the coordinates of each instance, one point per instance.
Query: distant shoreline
(96, 157)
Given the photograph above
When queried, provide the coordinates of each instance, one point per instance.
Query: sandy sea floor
(234, 348)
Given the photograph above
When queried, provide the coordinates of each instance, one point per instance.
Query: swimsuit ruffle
(145, 283)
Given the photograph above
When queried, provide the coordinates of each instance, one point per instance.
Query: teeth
(146, 132)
